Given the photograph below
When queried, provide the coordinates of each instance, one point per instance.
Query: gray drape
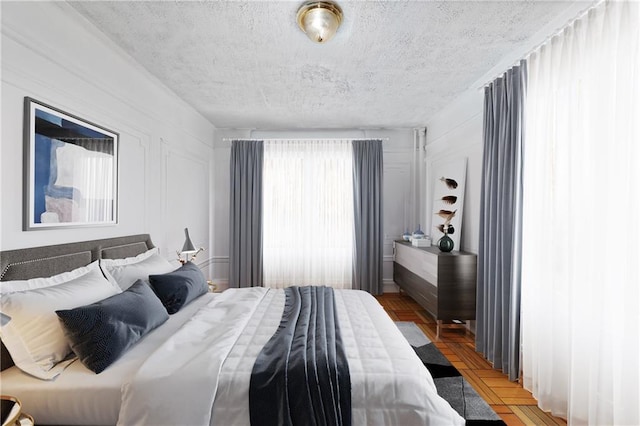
(499, 251)
(245, 216)
(367, 205)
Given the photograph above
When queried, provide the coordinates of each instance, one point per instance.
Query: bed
(196, 367)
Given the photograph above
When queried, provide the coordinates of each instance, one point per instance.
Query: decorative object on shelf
(451, 183)
(213, 287)
(449, 230)
(445, 243)
(421, 242)
(71, 170)
(187, 249)
(417, 234)
(448, 181)
(319, 20)
(406, 236)
(447, 215)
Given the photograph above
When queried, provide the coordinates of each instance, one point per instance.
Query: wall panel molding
(172, 157)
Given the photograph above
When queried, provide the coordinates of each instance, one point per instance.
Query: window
(308, 213)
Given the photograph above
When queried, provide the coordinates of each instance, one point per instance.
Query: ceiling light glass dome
(319, 20)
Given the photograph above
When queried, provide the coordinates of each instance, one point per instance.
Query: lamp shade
(4, 319)
(319, 20)
(188, 245)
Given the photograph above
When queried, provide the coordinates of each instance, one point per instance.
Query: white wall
(52, 54)
(398, 196)
(456, 132)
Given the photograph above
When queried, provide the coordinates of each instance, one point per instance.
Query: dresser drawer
(420, 290)
(421, 263)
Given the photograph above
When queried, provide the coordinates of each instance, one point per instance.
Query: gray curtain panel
(367, 205)
(245, 216)
(499, 251)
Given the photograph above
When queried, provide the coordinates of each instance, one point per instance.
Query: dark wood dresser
(442, 283)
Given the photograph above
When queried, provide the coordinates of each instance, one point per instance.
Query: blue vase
(406, 236)
(418, 234)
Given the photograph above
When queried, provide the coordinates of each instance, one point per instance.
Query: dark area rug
(451, 385)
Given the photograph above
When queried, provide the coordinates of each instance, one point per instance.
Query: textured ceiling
(246, 64)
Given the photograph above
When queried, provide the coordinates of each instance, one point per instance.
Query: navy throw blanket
(301, 377)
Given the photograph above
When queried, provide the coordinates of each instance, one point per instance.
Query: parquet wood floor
(514, 404)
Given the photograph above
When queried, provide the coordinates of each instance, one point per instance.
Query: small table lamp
(187, 249)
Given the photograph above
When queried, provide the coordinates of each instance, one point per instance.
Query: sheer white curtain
(581, 220)
(308, 213)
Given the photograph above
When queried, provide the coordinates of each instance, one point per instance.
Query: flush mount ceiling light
(319, 19)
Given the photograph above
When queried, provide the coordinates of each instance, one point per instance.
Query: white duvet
(200, 375)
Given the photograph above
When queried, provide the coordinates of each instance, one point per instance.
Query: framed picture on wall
(70, 170)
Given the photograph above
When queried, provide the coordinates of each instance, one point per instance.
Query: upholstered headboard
(24, 264)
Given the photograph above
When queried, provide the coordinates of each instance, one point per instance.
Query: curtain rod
(303, 139)
(555, 33)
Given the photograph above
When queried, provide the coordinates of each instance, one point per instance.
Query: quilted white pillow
(125, 272)
(34, 337)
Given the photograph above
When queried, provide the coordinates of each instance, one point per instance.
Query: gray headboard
(24, 264)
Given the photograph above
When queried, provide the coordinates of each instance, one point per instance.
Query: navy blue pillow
(179, 287)
(101, 332)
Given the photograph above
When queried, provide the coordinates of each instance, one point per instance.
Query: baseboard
(221, 284)
(389, 286)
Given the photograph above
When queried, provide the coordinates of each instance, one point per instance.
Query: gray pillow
(179, 287)
(102, 332)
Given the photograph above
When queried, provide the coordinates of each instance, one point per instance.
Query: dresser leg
(439, 323)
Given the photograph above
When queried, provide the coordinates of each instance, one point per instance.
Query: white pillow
(125, 272)
(34, 283)
(34, 337)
